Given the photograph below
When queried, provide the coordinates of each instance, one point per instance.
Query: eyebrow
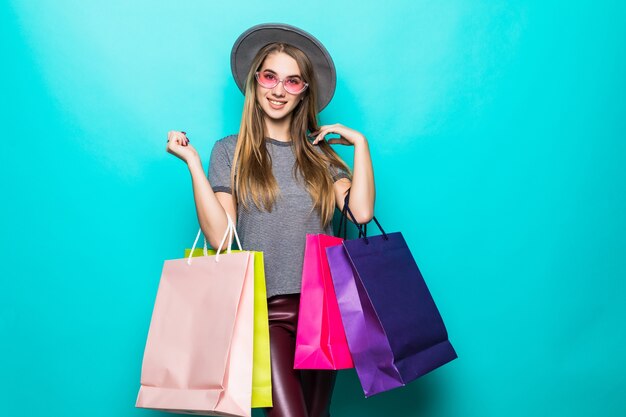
(274, 72)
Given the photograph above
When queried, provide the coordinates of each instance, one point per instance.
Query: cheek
(260, 100)
(259, 93)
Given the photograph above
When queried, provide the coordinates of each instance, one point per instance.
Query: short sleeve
(339, 173)
(336, 173)
(219, 168)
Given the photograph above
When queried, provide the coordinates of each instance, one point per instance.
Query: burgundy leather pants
(295, 393)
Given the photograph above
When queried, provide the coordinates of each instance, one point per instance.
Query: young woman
(280, 179)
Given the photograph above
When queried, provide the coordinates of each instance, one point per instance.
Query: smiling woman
(281, 186)
(276, 93)
(497, 130)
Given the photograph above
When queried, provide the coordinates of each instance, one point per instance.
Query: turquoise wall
(495, 133)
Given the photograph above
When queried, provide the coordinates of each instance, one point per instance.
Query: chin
(277, 114)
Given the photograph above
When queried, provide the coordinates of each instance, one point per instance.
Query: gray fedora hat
(255, 38)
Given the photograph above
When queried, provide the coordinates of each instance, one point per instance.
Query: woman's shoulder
(223, 152)
(229, 140)
(227, 143)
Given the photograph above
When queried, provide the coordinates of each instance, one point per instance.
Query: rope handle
(229, 233)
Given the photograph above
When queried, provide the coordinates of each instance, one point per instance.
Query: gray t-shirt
(281, 233)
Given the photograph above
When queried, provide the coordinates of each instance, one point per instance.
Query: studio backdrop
(497, 135)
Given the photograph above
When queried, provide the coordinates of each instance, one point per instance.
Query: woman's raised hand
(347, 136)
(179, 146)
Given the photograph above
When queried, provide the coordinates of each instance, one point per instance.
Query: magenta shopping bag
(320, 339)
(393, 327)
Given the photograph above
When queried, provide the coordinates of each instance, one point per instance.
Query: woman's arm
(211, 207)
(362, 189)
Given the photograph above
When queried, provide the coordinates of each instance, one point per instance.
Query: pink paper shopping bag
(320, 339)
(198, 356)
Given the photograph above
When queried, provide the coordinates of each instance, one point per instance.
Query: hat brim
(248, 44)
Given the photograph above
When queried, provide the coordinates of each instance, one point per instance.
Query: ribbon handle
(362, 227)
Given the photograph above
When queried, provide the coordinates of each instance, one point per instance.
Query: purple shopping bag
(394, 330)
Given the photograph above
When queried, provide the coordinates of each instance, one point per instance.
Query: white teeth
(278, 103)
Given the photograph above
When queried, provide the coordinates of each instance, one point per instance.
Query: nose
(279, 91)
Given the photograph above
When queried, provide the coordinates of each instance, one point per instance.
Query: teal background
(497, 135)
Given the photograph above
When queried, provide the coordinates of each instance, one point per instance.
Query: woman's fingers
(172, 135)
(179, 138)
(321, 133)
(178, 145)
(346, 135)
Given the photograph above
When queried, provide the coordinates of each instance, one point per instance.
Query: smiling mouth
(277, 103)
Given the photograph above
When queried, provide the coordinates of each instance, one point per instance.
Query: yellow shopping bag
(261, 368)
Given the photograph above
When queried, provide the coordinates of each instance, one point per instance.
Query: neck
(278, 129)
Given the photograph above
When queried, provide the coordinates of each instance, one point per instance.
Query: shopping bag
(198, 355)
(394, 329)
(261, 368)
(320, 338)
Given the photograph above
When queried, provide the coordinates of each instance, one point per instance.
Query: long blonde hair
(251, 175)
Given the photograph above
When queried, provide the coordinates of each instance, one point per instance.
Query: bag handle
(362, 227)
(230, 232)
(343, 221)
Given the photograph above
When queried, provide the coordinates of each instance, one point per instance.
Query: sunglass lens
(267, 79)
(294, 85)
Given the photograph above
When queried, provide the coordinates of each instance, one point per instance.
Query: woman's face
(276, 102)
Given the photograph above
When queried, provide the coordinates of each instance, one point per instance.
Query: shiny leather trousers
(295, 393)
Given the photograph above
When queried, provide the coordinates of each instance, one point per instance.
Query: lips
(276, 104)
